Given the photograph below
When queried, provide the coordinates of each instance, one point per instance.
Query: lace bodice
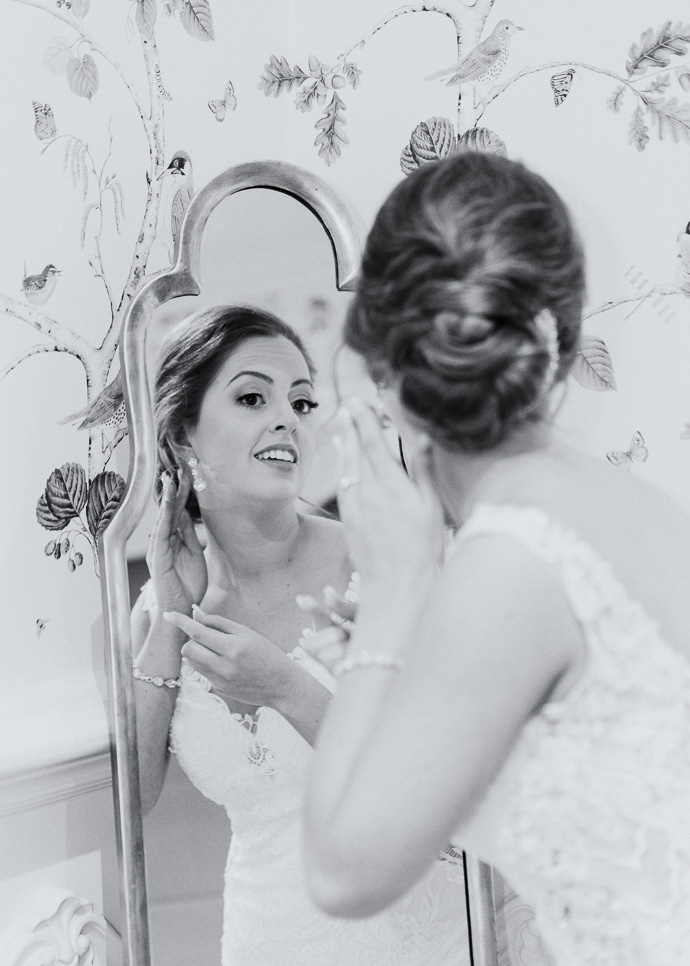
(589, 818)
(256, 767)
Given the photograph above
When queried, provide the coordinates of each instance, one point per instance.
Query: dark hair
(192, 355)
(462, 257)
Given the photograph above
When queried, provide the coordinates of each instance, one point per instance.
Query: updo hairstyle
(191, 357)
(463, 256)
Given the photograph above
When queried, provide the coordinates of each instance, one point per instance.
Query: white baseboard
(54, 743)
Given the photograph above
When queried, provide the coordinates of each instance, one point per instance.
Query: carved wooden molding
(57, 928)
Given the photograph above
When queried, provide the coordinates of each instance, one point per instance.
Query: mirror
(267, 248)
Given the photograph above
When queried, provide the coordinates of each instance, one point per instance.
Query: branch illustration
(65, 339)
(444, 9)
(74, 25)
(664, 289)
(33, 350)
(560, 65)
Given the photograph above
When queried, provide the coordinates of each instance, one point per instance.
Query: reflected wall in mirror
(246, 525)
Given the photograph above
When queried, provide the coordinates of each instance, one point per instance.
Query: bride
(221, 675)
(532, 700)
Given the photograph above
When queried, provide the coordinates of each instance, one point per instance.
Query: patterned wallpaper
(114, 113)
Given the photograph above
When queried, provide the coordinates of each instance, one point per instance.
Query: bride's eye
(250, 400)
(304, 406)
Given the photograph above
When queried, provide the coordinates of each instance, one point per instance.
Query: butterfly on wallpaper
(44, 126)
(41, 625)
(229, 103)
(560, 85)
(638, 453)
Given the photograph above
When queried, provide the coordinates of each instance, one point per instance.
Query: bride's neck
(249, 545)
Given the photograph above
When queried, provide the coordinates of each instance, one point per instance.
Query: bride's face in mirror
(256, 428)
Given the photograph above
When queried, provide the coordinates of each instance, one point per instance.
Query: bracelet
(381, 660)
(158, 681)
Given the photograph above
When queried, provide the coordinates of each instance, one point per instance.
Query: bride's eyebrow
(262, 375)
(250, 372)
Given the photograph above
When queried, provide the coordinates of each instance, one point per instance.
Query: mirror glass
(260, 248)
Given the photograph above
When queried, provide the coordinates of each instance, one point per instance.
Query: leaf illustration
(656, 49)
(311, 93)
(105, 493)
(57, 55)
(638, 131)
(671, 118)
(684, 79)
(146, 17)
(615, 101)
(593, 368)
(407, 161)
(82, 75)
(332, 135)
(47, 518)
(278, 76)
(84, 221)
(481, 139)
(353, 74)
(432, 140)
(658, 84)
(115, 189)
(197, 20)
(66, 490)
(80, 8)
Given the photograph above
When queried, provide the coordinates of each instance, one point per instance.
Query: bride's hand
(394, 526)
(332, 620)
(175, 557)
(241, 664)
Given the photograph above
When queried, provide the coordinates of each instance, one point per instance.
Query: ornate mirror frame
(183, 279)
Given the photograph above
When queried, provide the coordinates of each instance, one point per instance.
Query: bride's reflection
(227, 687)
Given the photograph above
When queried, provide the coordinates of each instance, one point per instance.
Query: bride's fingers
(183, 488)
(374, 451)
(320, 615)
(346, 609)
(189, 534)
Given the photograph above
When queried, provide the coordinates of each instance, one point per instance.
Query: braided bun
(463, 258)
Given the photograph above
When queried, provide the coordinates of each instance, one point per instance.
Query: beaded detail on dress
(256, 767)
(589, 817)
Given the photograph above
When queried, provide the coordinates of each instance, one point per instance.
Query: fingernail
(303, 601)
(167, 616)
(197, 610)
(337, 443)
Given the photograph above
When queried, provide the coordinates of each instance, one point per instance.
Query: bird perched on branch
(485, 61)
(37, 289)
(107, 410)
(176, 201)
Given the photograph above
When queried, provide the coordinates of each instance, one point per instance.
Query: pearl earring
(197, 483)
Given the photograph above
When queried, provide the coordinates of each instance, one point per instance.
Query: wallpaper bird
(107, 410)
(37, 289)
(176, 201)
(485, 61)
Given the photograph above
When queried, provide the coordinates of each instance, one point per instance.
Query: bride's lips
(280, 455)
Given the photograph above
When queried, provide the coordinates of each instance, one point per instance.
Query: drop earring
(197, 483)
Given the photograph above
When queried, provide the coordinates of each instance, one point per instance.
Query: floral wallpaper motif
(75, 55)
(653, 82)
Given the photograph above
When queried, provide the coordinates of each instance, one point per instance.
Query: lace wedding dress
(589, 818)
(255, 766)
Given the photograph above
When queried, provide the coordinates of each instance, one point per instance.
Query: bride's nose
(286, 420)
